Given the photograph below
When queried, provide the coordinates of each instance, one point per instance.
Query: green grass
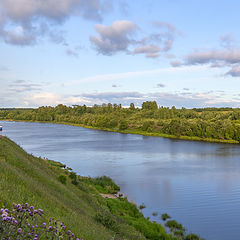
(73, 199)
(102, 184)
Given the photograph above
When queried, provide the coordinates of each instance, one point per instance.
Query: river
(197, 183)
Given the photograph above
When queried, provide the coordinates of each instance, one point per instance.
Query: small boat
(1, 128)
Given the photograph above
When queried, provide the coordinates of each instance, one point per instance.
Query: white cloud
(19, 36)
(234, 71)
(208, 56)
(32, 17)
(19, 86)
(176, 63)
(72, 53)
(122, 36)
(150, 50)
(53, 99)
(26, 10)
(113, 38)
(43, 99)
(217, 59)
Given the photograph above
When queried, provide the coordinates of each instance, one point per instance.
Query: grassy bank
(138, 132)
(73, 199)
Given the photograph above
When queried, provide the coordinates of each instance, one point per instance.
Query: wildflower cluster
(25, 222)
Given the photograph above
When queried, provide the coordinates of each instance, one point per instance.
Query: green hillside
(73, 199)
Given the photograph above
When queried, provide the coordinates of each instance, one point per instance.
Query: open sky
(178, 52)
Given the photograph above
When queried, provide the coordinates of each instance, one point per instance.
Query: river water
(196, 183)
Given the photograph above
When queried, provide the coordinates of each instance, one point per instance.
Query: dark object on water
(0, 128)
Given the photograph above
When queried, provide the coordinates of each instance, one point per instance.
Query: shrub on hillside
(107, 220)
(107, 183)
(62, 179)
(73, 176)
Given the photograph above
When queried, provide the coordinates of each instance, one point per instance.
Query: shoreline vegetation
(217, 125)
(80, 203)
(135, 132)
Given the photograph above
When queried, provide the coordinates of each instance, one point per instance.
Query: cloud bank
(217, 58)
(21, 86)
(178, 99)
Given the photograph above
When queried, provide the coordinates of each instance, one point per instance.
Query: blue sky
(177, 52)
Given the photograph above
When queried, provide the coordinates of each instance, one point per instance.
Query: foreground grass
(70, 198)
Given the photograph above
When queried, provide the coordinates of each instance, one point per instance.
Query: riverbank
(137, 132)
(80, 202)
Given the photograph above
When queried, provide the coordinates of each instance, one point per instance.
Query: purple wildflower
(40, 211)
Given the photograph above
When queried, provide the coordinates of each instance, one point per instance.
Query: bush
(192, 236)
(107, 184)
(113, 123)
(154, 214)
(165, 216)
(123, 125)
(73, 176)
(142, 206)
(176, 228)
(107, 220)
(122, 207)
(151, 230)
(74, 182)
(147, 126)
(62, 179)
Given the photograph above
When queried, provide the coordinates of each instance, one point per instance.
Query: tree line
(204, 123)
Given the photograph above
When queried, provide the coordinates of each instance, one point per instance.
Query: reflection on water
(196, 183)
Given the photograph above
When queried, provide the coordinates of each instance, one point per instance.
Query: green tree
(149, 105)
(132, 106)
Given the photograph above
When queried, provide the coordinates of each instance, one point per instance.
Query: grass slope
(77, 202)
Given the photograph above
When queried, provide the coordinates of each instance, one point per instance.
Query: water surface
(197, 183)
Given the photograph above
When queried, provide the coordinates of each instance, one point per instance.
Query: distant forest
(220, 124)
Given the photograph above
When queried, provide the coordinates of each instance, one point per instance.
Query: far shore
(136, 132)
